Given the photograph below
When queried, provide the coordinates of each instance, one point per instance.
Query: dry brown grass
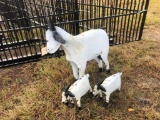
(33, 90)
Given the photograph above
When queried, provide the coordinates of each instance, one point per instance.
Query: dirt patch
(152, 33)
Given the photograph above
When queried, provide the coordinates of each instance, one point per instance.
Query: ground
(33, 90)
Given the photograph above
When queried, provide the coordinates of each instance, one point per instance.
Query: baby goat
(92, 44)
(77, 90)
(108, 86)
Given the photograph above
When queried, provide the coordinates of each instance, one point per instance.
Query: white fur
(79, 89)
(110, 84)
(82, 48)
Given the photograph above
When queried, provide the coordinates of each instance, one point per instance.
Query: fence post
(76, 17)
(143, 20)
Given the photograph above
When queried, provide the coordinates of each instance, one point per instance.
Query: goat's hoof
(105, 104)
(78, 109)
(99, 99)
(65, 103)
(91, 95)
(100, 70)
(108, 71)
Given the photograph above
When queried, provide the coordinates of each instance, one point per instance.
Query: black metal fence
(23, 24)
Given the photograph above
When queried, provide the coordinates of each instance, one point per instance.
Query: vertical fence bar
(82, 14)
(107, 20)
(115, 23)
(69, 15)
(128, 25)
(118, 21)
(91, 14)
(143, 19)
(87, 10)
(110, 22)
(140, 15)
(125, 19)
(94, 13)
(1, 39)
(99, 21)
(1, 45)
(121, 25)
(105, 23)
(72, 16)
(76, 17)
(135, 22)
(132, 21)
(103, 15)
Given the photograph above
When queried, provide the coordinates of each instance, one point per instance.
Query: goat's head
(66, 93)
(97, 89)
(53, 38)
(52, 45)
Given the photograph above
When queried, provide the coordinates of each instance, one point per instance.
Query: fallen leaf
(130, 109)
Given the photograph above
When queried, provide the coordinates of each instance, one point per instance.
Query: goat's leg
(100, 65)
(105, 60)
(82, 69)
(78, 105)
(75, 70)
(100, 96)
(107, 100)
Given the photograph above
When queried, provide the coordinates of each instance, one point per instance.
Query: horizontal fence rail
(23, 23)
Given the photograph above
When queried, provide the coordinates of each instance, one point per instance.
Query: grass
(33, 90)
(153, 13)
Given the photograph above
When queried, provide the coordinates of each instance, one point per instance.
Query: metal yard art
(23, 23)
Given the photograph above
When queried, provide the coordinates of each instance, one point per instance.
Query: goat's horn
(49, 24)
(69, 85)
(100, 82)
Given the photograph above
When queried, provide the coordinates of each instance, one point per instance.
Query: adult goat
(92, 44)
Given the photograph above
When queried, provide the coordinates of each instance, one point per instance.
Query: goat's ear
(70, 94)
(58, 37)
(102, 88)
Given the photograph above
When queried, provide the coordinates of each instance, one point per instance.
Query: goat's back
(94, 42)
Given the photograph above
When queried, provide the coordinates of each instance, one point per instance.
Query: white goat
(77, 90)
(92, 44)
(108, 86)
